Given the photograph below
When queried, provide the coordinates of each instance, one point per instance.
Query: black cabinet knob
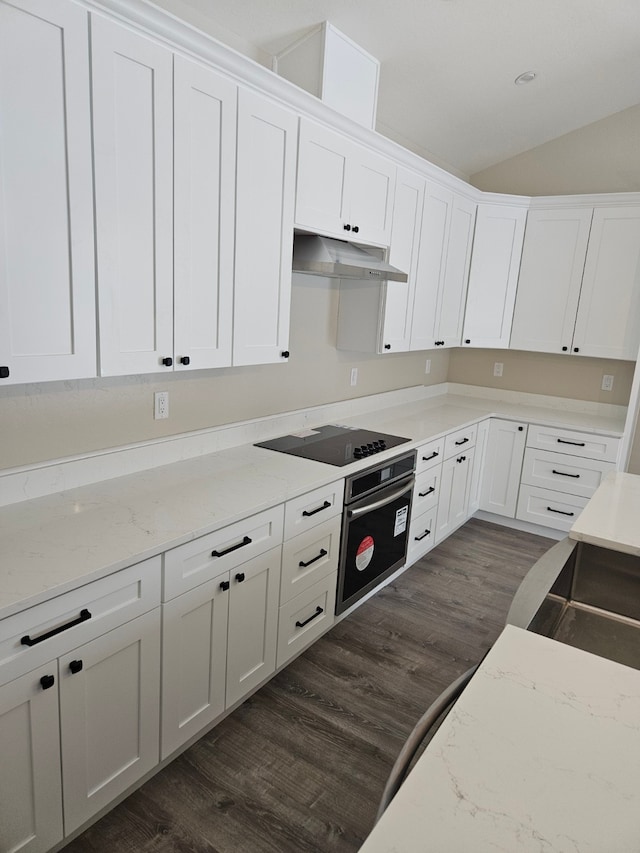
(224, 585)
(75, 666)
(240, 577)
(285, 353)
(47, 681)
(564, 349)
(520, 429)
(356, 228)
(347, 227)
(4, 371)
(387, 346)
(185, 360)
(468, 341)
(168, 361)
(576, 349)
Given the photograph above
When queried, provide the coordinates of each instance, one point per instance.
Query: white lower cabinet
(453, 507)
(81, 725)
(479, 464)
(303, 619)
(422, 534)
(501, 481)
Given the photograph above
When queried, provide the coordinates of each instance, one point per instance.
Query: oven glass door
(374, 541)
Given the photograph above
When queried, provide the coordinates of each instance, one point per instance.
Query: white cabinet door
(479, 465)
(133, 130)
(47, 286)
(493, 279)
(253, 623)
(194, 661)
(321, 201)
(204, 205)
(371, 186)
(553, 256)
(432, 259)
(453, 506)
(30, 789)
(109, 715)
(608, 319)
(453, 292)
(501, 481)
(265, 192)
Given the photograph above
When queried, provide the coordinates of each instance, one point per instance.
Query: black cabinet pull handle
(322, 554)
(75, 666)
(574, 443)
(564, 474)
(423, 536)
(347, 227)
(559, 511)
(240, 577)
(461, 458)
(325, 505)
(458, 443)
(429, 491)
(224, 585)
(245, 541)
(32, 641)
(319, 610)
(4, 371)
(168, 361)
(285, 353)
(47, 681)
(185, 360)
(387, 346)
(433, 456)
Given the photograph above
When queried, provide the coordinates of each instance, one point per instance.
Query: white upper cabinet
(579, 289)
(343, 189)
(608, 319)
(133, 144)
(553, 256)
(204, 206)
(265, 193)
(443, 269)
(47, 286)
(493, 279)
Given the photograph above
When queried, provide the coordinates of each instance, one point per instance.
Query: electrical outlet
(607, 382)
(161, 405)
(497, 368)
(427, 366)
(354, 375)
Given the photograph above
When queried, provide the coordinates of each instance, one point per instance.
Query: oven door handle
(387, 499)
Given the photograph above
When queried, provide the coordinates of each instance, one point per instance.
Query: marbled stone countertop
(611, 519)
(540, 753)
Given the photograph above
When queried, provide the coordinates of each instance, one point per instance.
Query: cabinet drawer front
(422, 535)
(305, 617)
(604, 447)
(551, 509)
(309, 557)
(562, 472)
(460, 440)
(196, 562)
(426, 491)
(430, 454)
(60, 624)
(313, 508)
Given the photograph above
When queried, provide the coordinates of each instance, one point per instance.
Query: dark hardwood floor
(300, 766)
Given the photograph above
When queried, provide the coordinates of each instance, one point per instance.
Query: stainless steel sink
(584, 596)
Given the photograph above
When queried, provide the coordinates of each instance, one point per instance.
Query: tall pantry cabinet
(47, 284)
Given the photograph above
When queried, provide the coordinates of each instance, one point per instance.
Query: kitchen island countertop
(611, 519)
(540, 753)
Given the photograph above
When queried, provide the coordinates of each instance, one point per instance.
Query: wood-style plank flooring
(300, 766)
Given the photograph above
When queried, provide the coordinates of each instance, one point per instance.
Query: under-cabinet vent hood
(336, 259)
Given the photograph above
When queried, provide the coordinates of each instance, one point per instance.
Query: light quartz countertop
(51, 544)
(611, 519)
(540, 753)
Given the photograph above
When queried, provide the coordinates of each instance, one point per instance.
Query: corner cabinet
(493, 278)
(343, 190)
(265, 193)
(47, 280)
(579, 288)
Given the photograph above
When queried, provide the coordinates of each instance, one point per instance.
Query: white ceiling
(448, 66)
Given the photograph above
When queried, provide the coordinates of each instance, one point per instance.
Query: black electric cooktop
(333, 444)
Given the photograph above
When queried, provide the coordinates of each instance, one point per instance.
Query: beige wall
(541, 373)
(599, 158)
(57, 419)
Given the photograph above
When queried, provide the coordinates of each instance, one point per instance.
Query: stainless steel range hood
(336, 259)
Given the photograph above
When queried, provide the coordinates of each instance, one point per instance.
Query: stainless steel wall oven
(375, 527)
